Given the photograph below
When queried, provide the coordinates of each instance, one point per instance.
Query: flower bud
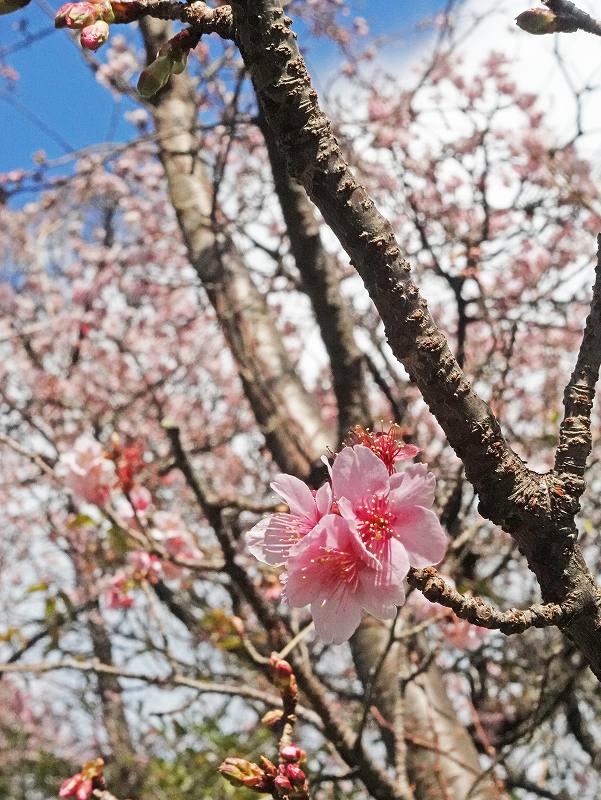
(537, 21)
(84, 790)
(282, 783)
(292, 753)
(94, 36)
(271, 719)
(8, 6)
(76, 15)
(240, 772)
(155, 76)
(295, 774)
(283, 676)
(269, 767)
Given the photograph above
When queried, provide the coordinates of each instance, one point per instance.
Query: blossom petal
(382, 589)
(337, 616)
(296, 494)
(306, 574)
(271, 539)
(323, 499)
(413, 486)
(358, 473)
(421, 533)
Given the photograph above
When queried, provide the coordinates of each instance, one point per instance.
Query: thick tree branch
(286, 414)
(476, 611)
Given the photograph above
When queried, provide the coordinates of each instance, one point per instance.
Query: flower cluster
(348, 546)
(287, 780)
(92, 18)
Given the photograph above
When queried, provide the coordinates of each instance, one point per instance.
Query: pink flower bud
(292, 753)
(69, 787)
(283, 783)
(271, 719)
(295, 774)
(280, 667)
(8, 6)
(84, 791)
(76, 15)
(94, 36)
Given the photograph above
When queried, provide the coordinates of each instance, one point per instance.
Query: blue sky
(58, 106)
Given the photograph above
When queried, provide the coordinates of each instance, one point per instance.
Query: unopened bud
(155, 76)
(283, 783)
(240, 772)
(269, 767)
(76, 15)
(292, 753)
(8, 6)
(537, 21)
(283, 676)
(295, 774)
(94, 36)
(271, 719)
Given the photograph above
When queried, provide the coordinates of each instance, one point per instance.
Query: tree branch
(476, 611)
(575, 440)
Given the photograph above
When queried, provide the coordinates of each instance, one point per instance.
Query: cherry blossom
(116, 594)
(390, 514)
(145, 566)
(331, 575)
(274, 538)
(170, 529)
(357, 556)
(86, 471)
(81, 785)
(77, 786)
(387, 445)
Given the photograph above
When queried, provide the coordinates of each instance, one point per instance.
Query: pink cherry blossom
(390, 513)
(116, 594)
(273, 539)
(86, 471)
(387, 445)
(171, 529)
(140, 498)
(330, 573)
(145, 565)
(81, 785)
